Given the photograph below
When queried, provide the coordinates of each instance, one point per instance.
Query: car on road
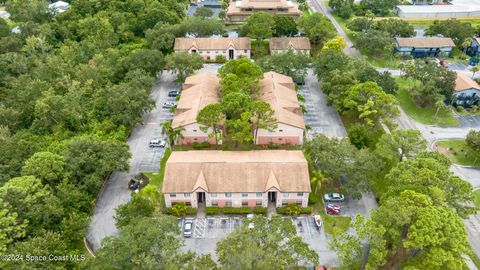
(173, 93)
(187, 228)
(168, 105)
(157, 143)
(332, 211)
(333, 197)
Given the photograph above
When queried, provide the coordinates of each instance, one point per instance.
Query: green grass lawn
(156, 178)
(422, 115)
(476, 196)
(335, 224)
(460, 153)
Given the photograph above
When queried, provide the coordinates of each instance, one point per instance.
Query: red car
(334, 206)
(332, 211)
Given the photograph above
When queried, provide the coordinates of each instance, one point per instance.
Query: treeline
(72, 87)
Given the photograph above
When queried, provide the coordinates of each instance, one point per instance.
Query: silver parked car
(333, 197)
(187, 228)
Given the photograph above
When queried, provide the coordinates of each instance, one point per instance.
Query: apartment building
(210, 48)
(236, 178)
(199, 90)
(279, 91)
(240, 10)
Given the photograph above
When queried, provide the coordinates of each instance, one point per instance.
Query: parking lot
(208, 231)
(320, 117)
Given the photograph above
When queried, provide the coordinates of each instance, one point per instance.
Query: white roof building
(59, 6)
(457, 9)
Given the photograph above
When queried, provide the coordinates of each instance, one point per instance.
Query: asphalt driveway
(144, 159)
(207, 232)
(320, 117)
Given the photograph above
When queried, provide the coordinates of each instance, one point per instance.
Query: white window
(213, 194)
(228, 204)
(186, 194)
(300, 194)
(258, 203)
(173, 195)
(214, 203)
(284, 202)
(228, 194)
(284, 194)
(244, 194)
(244, 203)
(259, 194)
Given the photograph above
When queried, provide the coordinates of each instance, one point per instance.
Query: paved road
(144, 159)
(319, 6)
(320, 117)
(430, 133)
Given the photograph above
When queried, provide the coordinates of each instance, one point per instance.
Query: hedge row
(190, 211)
(215, 210)
(304, 211)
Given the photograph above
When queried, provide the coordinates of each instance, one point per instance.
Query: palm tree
(474, 70)
(172, 133)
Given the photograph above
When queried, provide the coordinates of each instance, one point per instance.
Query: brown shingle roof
(185, 44)
(463, 82)
(279, 91)
(198, 91)
(236, 171)
(236, 7)
(285, 43)
(425, 42)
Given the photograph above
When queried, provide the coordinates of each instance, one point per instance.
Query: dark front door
(201, 197)
(272, 196)
(230, 54)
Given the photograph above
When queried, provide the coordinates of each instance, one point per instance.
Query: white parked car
(158, 143)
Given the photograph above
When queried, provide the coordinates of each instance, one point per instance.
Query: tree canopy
(246, 248)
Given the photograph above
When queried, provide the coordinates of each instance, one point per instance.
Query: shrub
(474, 108)
(191, 211)
(172, 211)
(313, 198)
(460, 108)
(213, 210)
(179, 209)
(220, 59)
(237, 210)
(292, 210)
(306, 210)
(260, 210)
(202, 145)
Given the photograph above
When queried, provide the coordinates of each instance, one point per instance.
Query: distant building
(240, 10)
(467, 91)
(4, 15)
(424, 46)
(59, 6)
(215, 6)
(438, 11)
(236, 178)
(210, 48)
(279, 91)
(199, 90)
(296, 44)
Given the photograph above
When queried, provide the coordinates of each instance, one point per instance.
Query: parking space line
(199, 231)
